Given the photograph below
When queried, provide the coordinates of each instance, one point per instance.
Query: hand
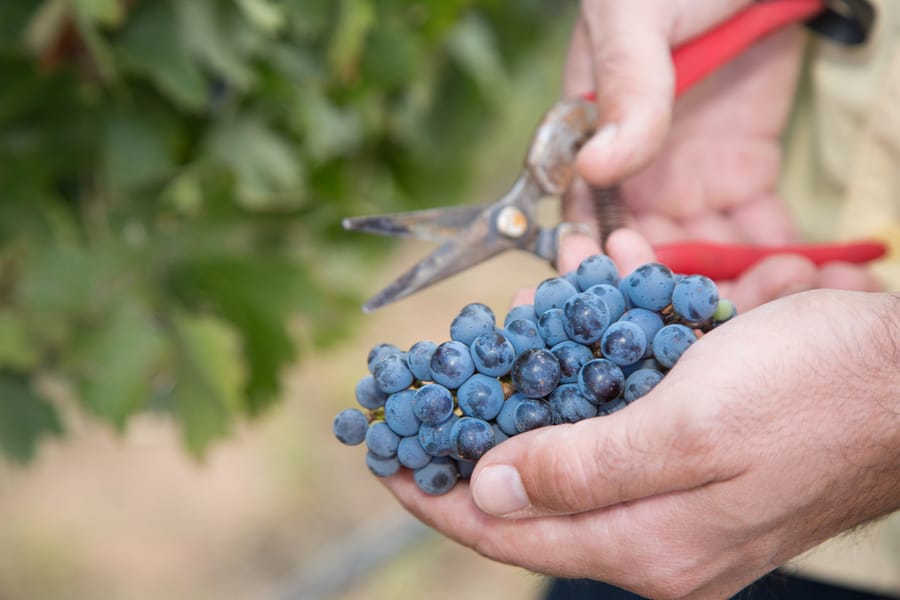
(774, 432)
(706, 167)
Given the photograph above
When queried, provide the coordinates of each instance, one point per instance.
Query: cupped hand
(773, 432)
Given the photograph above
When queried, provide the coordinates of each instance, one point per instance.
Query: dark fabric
(774, 586)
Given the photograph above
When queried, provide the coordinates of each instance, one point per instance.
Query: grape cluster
(590, 344)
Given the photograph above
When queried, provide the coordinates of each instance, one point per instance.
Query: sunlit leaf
(203, 31)
(355, 19)
(264, 14)
(269, 174)
(25, 417)
(115, 362)
(210, 376)
(327, 130)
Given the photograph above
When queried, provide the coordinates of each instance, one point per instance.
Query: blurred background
(180, 310)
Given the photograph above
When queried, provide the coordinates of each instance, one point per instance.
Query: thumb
(658, 445)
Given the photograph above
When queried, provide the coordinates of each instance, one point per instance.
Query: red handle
(726, 261)
(700, 56)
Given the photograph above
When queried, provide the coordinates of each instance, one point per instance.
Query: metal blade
(433, 224)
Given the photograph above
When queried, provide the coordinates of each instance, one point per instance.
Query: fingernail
(499, 491)
(603, 137)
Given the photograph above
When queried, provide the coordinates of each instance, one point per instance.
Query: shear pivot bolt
(512, 222)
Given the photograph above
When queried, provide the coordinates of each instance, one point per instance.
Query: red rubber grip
(726, 261)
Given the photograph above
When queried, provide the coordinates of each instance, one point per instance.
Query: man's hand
(774, 432)
(706, 167)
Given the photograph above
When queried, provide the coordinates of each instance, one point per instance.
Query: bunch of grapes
(589, 345)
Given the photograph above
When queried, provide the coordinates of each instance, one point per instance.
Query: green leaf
(474, 47)
(355, 19)
(116, 360)
(269, 174)
(25, 417)
(135, 151)
(104, 12)
(151, 45)
(202, 30)
(328, 131)
(257, 295)
(209, 378)
(17, 348)
(392, 58)
(264, 14)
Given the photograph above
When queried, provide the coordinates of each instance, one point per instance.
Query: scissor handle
(700, 56)
(728, 261)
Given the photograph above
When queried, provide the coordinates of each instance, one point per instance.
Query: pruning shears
(470, 234)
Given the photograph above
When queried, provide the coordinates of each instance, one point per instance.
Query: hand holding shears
(471, 234)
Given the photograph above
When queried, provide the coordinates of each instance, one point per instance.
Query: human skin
(775, 431)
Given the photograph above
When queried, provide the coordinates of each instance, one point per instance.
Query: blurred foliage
(173, 174)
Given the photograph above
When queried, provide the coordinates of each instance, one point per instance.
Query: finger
(635, 81)
(772, 278)
(846, 276)
(523, 296)
(661, 444)
(629, 250)
(573, 249)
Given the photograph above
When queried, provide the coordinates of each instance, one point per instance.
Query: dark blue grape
(382, 466)
(435, 439)
(552, 293)
(368, 394)
(432, 403)
(614, 299)
(650, 286)
(587, 317)
(596, 269)
(571, 356)
(411, 454)
(399, 413)
(531, 414)
(350, 426)
(600, 381)
(623, 343)
(451, 364)
(465, 467)
(568, 405)
(552, 326)
(480, 396)
(695, 298)
(380, 351)
(506, 419)
(535, 373)
(522, 311)
(640, 382)
(392, 374)
(647, 363)
(523, 334)
(572, 277)
(381, 440)
(470, 438)
(419, 359)
(499, 434)
(471, 322)
(437, 477)
(649, 321)
(493, 354)
(670, 342)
